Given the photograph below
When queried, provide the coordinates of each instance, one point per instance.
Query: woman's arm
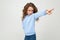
(42, 13)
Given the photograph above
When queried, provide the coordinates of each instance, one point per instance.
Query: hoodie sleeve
(40, 13)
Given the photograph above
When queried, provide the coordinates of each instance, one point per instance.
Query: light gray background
(47, 28)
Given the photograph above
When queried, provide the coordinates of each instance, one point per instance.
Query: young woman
(30, 15)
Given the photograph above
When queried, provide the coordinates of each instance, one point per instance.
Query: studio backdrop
(47, 28)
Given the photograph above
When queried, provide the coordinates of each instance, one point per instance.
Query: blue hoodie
(29, 22)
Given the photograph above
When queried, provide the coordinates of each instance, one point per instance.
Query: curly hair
(26, 7)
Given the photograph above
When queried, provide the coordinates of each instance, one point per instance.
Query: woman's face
(29, 10)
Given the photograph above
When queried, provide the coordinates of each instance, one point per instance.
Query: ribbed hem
(30, 34)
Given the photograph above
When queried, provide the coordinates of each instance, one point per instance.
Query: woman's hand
(49, 11)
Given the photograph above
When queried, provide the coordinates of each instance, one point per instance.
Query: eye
(29, 10)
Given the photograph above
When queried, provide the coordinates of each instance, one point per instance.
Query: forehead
(30, 8)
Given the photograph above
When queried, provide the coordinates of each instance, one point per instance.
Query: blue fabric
(31, 37)
(29, 22)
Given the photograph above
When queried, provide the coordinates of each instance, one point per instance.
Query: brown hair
(26, 7)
